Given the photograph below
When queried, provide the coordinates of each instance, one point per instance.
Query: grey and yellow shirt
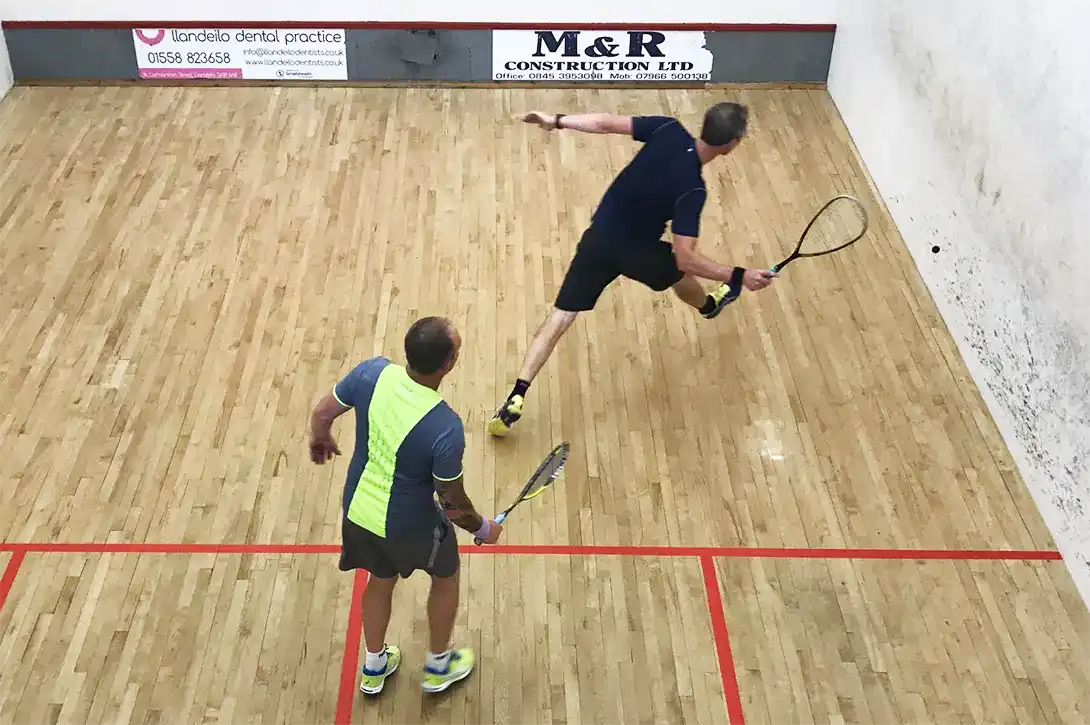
(406, 437)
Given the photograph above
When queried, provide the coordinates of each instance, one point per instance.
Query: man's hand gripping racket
(542, 478)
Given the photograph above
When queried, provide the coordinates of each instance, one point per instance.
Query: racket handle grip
(498, 520)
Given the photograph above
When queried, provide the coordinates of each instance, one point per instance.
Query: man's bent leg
(691, 292)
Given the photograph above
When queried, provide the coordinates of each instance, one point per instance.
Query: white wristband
(485, 530)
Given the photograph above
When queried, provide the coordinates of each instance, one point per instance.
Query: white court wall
(497, 11)
(6, 77)
(973, 119)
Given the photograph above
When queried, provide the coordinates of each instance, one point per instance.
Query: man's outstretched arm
(585, 122)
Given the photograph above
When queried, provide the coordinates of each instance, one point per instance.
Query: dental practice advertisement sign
(600, 55)
(246, 54)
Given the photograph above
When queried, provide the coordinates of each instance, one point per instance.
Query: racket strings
(549, 473)
(547, 476)
(842, 222)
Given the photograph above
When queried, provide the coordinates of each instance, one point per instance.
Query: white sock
(375, 661)
(438, 663)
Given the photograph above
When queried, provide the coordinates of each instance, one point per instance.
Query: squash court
(799, 512)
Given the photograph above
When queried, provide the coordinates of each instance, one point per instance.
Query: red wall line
(10, 571)
(732, 552)
(722, 642)
(346, 694)
(412, 25)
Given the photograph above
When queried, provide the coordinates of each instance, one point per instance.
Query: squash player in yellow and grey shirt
(409, 446)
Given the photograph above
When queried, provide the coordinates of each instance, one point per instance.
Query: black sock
(709, 305)
(521, 386)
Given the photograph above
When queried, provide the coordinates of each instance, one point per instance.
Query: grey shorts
(434, 552)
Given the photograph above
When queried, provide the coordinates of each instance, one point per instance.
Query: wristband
(556, 121)
(484, 531)
(736, 277)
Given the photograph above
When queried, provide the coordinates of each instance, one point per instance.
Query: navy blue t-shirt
(662, 182)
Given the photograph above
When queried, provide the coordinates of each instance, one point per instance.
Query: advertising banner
(250, 53)
(600, 55)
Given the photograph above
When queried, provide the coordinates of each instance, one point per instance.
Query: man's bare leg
(709, 304)
(381, 660)
(444, 666)
(548, 334)
(691, 292)
(541, 347)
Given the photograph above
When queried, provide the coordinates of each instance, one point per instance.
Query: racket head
(840, 223)
(546, 473)
(540, 481)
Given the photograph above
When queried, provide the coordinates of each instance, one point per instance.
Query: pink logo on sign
(152, 39)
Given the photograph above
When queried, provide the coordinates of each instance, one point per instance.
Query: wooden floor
(186, 271)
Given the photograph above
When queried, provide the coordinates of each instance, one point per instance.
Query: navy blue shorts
(599, 261)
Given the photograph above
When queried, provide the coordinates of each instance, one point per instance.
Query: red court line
(350, 661)
(728, 552)
(10, 571)
(410, 25)
(742, 552)
(722, 642)
(147, 548)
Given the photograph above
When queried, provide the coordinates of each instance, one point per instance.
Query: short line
(722, 642)
(147, 548)
(10, 571)
(346, 695)
(729, 552)
(742, 552)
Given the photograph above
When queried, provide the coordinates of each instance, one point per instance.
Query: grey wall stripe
(107, 54)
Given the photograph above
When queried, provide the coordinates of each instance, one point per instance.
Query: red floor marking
(742, 552)
(722, 642)
(731, 552)
(351, 659)
(144, 548)
(10, 571)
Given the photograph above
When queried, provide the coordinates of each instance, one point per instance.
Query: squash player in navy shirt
(662, 183)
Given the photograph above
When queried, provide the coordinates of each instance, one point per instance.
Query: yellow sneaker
(723, 295)
(458, 668)
(371, 683)
(506, 416)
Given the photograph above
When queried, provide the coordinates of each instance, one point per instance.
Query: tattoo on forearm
(457, 506)
(470, 521)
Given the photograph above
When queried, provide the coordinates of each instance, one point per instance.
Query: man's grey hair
(723, 123)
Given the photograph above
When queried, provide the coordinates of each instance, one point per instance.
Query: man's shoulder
(372, 367)
(356, 386)
(668, 127)
(440, 426)
(446, 420)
